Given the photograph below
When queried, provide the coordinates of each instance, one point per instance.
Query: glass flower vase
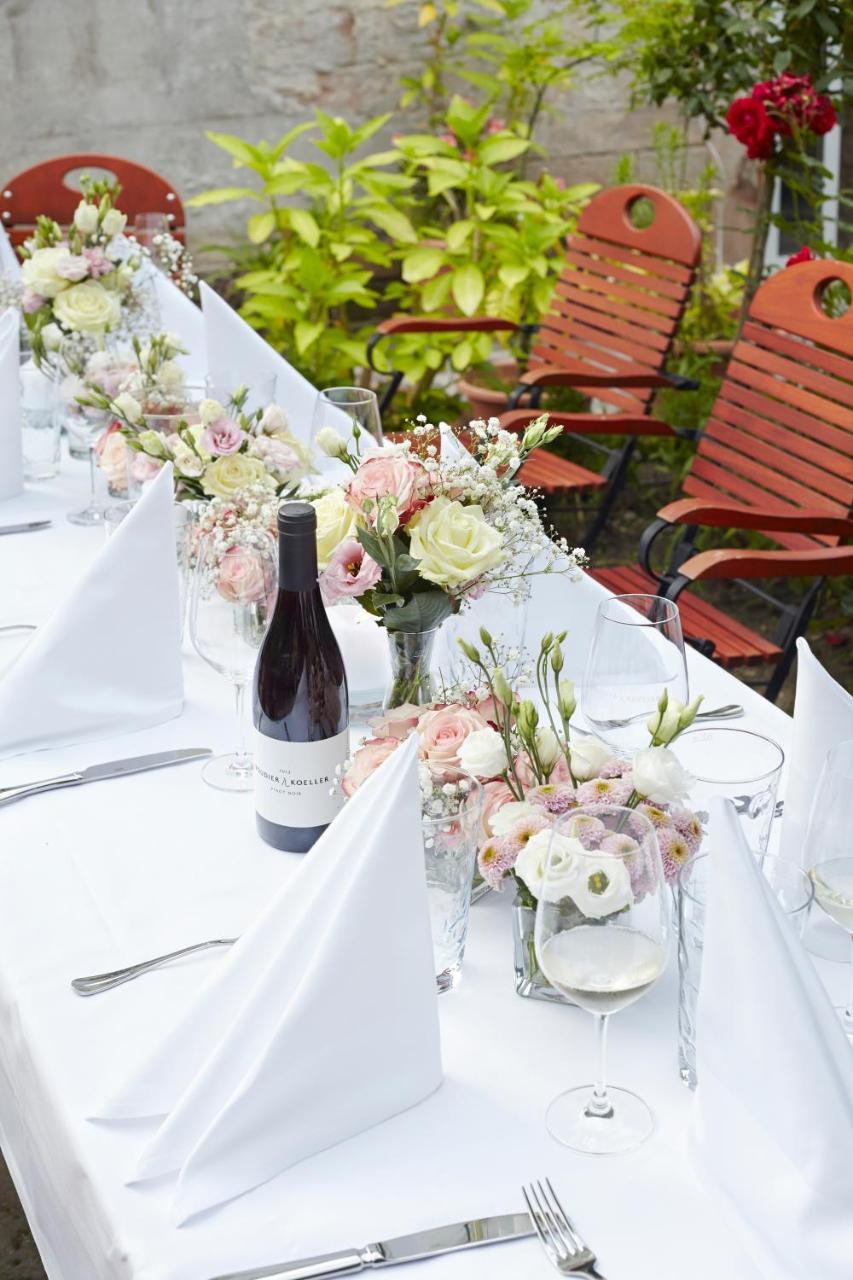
(530, 981)
(411, 677)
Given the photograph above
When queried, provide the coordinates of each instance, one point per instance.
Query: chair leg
(796, 628)
(618, 475)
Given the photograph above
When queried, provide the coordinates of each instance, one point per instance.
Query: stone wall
(145, 78)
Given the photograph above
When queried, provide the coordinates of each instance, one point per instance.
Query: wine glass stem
(242, 759)
(848, 1010)
(599, 1102)
(92, 474)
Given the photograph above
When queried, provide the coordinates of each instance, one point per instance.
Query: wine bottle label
(297, 783)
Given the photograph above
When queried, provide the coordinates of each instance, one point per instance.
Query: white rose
(113, 223)
(273, 419)
(548, 746)
(510, 813)
(588, 757)
(454, 544)
(41, 272)
(483, 754)
(128, 407)
(170, 376)
(659, 776)
(86, 217)
(331, 442)
(551, 865)
(335, 523)
(87, 308)
(51, 336)
(210, 411)
(603, 886)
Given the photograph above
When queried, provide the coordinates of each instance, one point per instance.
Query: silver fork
(564, 1247)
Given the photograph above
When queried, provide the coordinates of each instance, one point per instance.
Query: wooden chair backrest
(780, 435)
(618, 303)
(43, 189)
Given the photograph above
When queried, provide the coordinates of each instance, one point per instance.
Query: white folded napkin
(823, 717)
(11, 464)
(109, 660)
(180, 315)
(320, 1023)
(10, 264)
(774, 1105)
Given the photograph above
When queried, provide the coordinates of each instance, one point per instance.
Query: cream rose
(87, 308)
(454, 544)
(551, 865)
(483, 754)
(335, 523)
(589, 755)
(41, 272)
(658, 775)
(114, 222)
(86, 217)
(443, 731)
(226, 476)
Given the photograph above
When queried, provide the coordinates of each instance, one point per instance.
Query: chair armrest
(589, 424)
(714, 515)
(678, 382)
(443, 324)
(814, 562)
(578, 374)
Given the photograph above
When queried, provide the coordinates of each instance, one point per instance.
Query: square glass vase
(530, 981)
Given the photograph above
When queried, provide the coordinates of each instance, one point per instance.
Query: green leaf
(512, 276)
(468, 288)
(376, 549)
(305, 226)
(260, 227)
(461, 356)
(243, 152)
(306, 334)
(424, 612)
(286, 138)
(220, 194)
(458, 233)
(394, 223)
(422, 264)
(498, 149)
(436, 291)
(285, 184)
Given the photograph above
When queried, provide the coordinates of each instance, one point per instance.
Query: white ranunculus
(335, 523)
(86, 217)
(170, 375)
(548, 746)
(114, 222)
(510, 813)
(129, 407)
(588, 757)
(454, 544)
(51, 336)
(660, 776)
(87, 308)
(483, 754)
(551, 865)
(273, 419)
(210, 411)
(41, 272)
(331, 442)
(604, 886)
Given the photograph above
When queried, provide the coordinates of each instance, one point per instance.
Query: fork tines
(561, 1242)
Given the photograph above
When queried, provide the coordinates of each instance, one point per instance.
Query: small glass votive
(451, 802)
(737, 765)
(795, 893)
(184, 526)
(41, 421)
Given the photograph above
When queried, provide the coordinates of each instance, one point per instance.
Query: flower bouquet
(415, 534)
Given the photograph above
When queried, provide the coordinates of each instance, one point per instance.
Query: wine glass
(232, 598)
(828, 849)
(85, 426)
(602, 939)
(636, 652)
(147, 227)
(352, 412)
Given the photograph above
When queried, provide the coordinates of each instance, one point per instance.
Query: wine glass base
(89, 516)
(226, 773)
(624, 1128)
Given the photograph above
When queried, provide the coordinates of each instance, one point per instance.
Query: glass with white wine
(602, 939)
(829, 850)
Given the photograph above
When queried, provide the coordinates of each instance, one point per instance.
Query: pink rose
(443, 731)
(278, 457)
(386, 474)
(31, 301)
(222, 437)
(111, 452)
(241, 576)
(495, 796)
(349, 573)
(98, 262)
(143, 467)
(397, 722)
(560, 772)
(73, 267)
(367, 760)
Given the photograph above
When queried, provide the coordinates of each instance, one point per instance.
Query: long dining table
(109, 874)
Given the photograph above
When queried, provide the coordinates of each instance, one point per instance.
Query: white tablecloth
(113, 873)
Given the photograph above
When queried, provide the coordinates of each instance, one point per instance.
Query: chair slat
(775, 411)
(565, 320)
(634, 294)
(631, 257)
(799, 349)
(610, 270)
(795, 371)
(832, 452)
(585, 300)
(772, 461)
(786, 393)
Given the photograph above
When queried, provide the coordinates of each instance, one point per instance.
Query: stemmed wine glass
(602, 939)
(85, 426)
(828, 850)
(233, 596)
(637, 651)
(335, 405)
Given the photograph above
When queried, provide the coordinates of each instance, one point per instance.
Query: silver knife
(26, 527)
(387, 1253)
(112, 769)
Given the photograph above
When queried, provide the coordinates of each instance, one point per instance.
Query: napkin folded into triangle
(321, 1022)
(774, 1105)
(10, 263)
(180, 315)
(11, 464)
(109, 659)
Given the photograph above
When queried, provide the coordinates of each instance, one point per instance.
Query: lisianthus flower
(349, 573)
(222, 438)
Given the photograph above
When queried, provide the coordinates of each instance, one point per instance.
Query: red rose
(802, 255)
(751, 125)
(823, 117)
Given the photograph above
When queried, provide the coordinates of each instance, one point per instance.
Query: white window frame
(774, 256)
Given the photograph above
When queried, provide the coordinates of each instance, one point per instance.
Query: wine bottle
(300, 707)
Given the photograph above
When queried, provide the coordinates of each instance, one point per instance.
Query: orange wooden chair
(43, 189)
(608, 334)
(776, 456)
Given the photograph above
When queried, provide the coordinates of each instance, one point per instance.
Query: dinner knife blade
(26, 526)
(412, 1248)
(139, 764)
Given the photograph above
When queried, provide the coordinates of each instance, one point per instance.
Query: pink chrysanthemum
(589, 830)
(604, 791)
(525, 829)
(674, 851)
(555, 799)
(689, 827)
(656, 815)
(494, 859)
(614, 768)
(619, 843)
